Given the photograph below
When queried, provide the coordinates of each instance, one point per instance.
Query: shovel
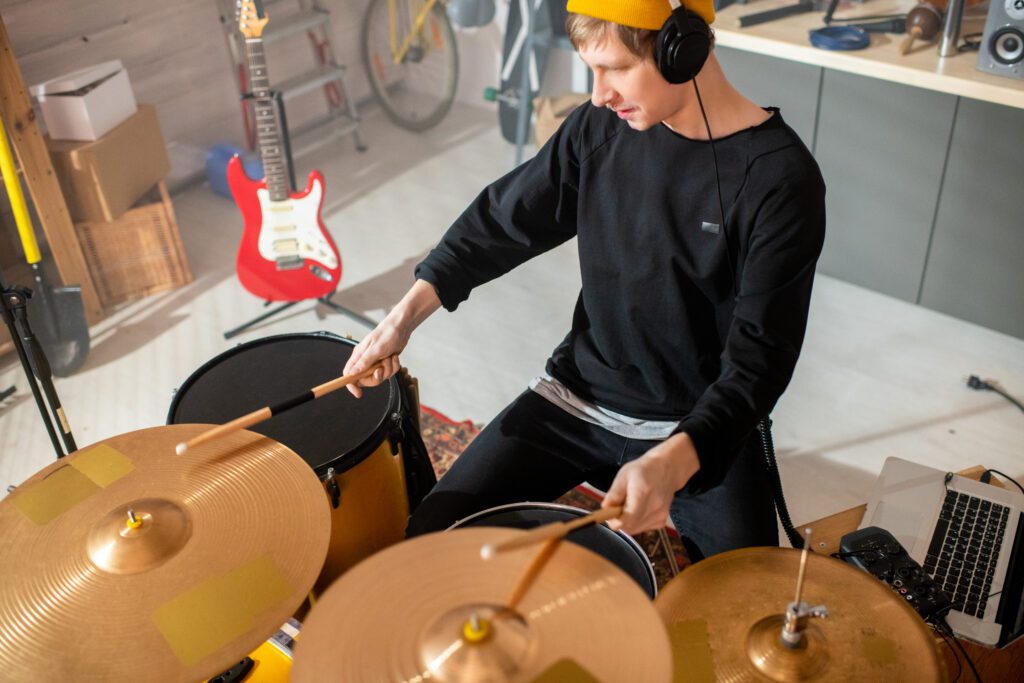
(57, 314)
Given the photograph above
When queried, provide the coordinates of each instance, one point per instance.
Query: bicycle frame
(417, 26)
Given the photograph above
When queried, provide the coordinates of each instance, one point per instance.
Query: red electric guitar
(286, 254)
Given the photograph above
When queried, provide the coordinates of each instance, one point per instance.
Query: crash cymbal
(725, 617)
(430, 609)
(124, 561)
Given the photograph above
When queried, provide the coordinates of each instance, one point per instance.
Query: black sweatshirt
(677, 318)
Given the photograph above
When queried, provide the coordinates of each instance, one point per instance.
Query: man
(697, 261)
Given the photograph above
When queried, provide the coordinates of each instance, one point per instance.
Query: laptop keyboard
(964, 550)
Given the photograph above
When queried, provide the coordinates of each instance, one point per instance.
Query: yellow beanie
(649, 14)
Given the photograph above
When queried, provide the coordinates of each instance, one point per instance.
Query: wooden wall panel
(175, 53)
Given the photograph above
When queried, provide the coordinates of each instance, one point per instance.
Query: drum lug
(396, 435)
(333, 489)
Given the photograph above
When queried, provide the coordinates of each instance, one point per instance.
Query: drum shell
(615, 546)
(352, 445)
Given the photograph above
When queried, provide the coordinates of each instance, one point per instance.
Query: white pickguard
(291, 228)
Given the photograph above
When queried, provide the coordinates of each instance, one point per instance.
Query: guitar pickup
(286, 246)
(289, 263)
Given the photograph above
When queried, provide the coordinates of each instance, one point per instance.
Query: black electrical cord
(775, 481)
(986, 477)
(944, 625)
(956, 656)
(718, 186)
(972, 43)
(979, 384)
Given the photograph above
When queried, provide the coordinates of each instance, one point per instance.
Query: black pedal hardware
(877, 552)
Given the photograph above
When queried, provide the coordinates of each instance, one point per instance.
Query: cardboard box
(103, 178)
(87, 103)
(551, 111)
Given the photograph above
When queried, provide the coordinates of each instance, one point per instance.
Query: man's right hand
(390, 337)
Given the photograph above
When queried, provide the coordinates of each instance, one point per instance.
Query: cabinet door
(881, 148)
(768, 81)
(976, 265)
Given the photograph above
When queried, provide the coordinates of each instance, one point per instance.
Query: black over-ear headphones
(683, 45)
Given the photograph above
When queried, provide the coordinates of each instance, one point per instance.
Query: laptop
(967, 535)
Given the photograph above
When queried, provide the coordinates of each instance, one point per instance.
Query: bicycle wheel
(419, 90)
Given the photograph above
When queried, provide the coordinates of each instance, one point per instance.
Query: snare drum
(358, 447)
(615, 546)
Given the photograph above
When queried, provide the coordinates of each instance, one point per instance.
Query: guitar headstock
(251, 17)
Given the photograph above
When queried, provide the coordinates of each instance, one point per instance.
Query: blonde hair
(586, 30)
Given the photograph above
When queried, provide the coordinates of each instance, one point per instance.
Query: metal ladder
(290, 18)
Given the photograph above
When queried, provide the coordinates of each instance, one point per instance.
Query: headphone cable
(718, 186)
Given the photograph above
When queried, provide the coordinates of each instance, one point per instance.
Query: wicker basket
(136, 255)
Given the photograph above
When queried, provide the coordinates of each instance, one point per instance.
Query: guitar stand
(14, 310)
(325, 300)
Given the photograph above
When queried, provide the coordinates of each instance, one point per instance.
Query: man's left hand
(645, 486)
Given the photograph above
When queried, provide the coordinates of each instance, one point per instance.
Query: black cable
(972, 43)
(775, 481)
(979, 384)
(946, 639)
(959, 645)
(718, 185)
(985, 479)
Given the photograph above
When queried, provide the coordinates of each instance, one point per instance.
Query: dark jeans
(535, 451)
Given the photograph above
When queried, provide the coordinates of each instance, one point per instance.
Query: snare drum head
(336, 430)
(616, 547)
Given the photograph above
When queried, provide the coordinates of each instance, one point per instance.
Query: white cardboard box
(87, 103)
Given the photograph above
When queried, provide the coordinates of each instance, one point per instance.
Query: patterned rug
(446, 439)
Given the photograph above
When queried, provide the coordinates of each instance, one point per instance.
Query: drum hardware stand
(670, 554)
(798, 612)
(325, 300)
(333, 489)
(14, 309)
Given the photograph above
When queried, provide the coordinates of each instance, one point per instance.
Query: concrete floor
(878, 376)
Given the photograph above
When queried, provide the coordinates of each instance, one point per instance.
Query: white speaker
(1002, 44)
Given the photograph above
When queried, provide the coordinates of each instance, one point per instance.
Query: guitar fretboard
(268, 131)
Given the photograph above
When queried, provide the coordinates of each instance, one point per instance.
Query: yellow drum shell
(372, 512)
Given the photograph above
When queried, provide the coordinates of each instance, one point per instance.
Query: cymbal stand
(325, 300)
(14, 310)
(798, 612)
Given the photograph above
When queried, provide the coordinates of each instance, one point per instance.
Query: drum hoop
(580, 512)
(341, 463)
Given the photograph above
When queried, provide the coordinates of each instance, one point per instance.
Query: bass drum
(615, 546)
(367, 452)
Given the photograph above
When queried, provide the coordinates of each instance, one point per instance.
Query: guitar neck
(268, 130)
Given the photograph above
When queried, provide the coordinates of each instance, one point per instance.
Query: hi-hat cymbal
(221, 546)
(407, 615)
(724, 617)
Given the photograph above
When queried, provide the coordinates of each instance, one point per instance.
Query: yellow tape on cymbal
(879, 649)
(103, 465)
(202, 620)
(691, 651)
(85, 474)
(44, 500)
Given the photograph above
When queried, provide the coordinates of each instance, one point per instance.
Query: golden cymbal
(430, 609)
(124, 561)
(725, 618)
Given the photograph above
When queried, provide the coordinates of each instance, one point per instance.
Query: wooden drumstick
(555, 530)
(257, 416)
(528, 576)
